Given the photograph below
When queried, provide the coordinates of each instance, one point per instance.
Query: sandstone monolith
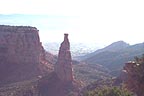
(63, 67)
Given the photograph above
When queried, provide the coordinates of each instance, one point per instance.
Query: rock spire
(63, 67)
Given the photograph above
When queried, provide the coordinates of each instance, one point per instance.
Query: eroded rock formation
(134, 76)
(63, 67)
(21, 52)
(61, 81)
(19, 44)
(23, 57)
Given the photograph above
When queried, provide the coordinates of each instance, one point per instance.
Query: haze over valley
(71, 48)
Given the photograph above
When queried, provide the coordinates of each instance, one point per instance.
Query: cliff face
(21, 51)
(63, 67)
(19, 44)
(23, 57)
(134, 76)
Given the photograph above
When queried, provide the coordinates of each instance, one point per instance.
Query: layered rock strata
(21, 52)
(19, 44)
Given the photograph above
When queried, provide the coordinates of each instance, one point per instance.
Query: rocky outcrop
(19, 44)
(63, 67)
(21, 52)
(134, 76)
(22, 57)
(61, 81)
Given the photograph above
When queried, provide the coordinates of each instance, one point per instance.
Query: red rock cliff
(63, 67)
(134, 76)
(20, 52)
(19, 44)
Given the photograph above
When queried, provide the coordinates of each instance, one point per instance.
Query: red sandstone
(63, 67)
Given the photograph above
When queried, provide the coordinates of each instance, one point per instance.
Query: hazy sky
(96, 21)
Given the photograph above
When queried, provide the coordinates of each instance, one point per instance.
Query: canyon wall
(21, 52)
(19, 44)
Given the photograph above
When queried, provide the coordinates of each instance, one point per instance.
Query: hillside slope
(119, 45)
(114, 59)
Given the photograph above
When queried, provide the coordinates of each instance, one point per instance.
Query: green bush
(109, 91)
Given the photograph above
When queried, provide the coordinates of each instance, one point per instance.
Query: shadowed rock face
(63, 67)
(52, 85)
(133, 76)
(60, 82)
(21, 52)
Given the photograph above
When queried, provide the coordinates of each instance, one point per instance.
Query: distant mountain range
(77, 49)
(115, 55)
(112, 48)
